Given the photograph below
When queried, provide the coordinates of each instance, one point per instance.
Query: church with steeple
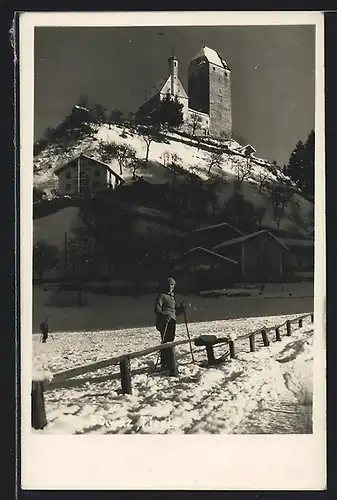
(207, 107)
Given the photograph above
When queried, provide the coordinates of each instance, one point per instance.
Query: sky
(272, 68)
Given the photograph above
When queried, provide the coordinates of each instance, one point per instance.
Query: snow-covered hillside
(189, 155)
(186, 149)
(53, 227)
(269, 391)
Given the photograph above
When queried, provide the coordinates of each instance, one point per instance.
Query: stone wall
(220, 105)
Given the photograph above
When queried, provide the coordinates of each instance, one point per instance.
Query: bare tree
(106, 151)
(215, 160)
(242, 167)
(148, 134)
(279, 197)
(195, 123)
(123, 153)
(137, 164)
(262, 180)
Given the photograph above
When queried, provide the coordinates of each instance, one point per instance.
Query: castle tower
(209, 90)
(173, 72)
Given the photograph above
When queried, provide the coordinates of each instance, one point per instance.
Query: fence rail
(123, 360)
(81, 370)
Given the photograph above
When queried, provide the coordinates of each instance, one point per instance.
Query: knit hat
(171, 281)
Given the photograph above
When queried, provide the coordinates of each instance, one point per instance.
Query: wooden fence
(124, 360)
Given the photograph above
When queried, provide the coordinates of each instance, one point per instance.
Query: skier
(44, 327)
(166, 311)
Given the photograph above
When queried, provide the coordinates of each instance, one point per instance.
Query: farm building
(83, 174)
(260, 255)
(301, 255)
(142, 191)
(209, 236)
(200, 268)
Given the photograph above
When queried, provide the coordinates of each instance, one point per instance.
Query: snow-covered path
(268, 391)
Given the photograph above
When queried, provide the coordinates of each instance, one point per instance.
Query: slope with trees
(300, 167)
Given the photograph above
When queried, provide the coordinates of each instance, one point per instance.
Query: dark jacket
(165, 305)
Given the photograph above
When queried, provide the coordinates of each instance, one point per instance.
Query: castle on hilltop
(207, 108)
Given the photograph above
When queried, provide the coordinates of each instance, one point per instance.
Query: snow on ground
(113, 312)
(268, 391)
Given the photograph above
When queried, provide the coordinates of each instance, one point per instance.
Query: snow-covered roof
(246, 237)
(222, 224)
(212, 56)
(156, 88)
(213, 254)
(82, 155)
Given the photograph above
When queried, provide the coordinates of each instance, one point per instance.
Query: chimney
(173, 68)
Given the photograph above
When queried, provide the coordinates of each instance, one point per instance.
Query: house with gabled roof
(301, 255)
(260, 255)
(200, 268)
(86, 174)
(211, 235)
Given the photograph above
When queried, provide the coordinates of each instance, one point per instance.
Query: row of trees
(84, 115)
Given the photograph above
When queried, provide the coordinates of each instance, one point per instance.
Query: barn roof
(214, 254)
(82, 155)
(222, 224)
(212, 56)
(246, 237)
(296, 242)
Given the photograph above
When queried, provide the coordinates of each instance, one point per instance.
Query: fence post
(38, 410)
(125, 375)
(231, 349)
(288, 328)
(210, 354)
(173, 367)
(278, 335)
(265, 338)
(312, 317)
(300, 323)
(252, 342)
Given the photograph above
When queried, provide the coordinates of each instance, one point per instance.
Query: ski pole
(158, 356)
(189, 337)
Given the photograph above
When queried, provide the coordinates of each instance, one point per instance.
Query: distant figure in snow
(166, 311)
(44, 328)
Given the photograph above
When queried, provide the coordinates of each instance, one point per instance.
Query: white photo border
(203, 462)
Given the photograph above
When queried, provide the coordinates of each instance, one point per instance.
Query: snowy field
(266, 392)
(104, 312)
